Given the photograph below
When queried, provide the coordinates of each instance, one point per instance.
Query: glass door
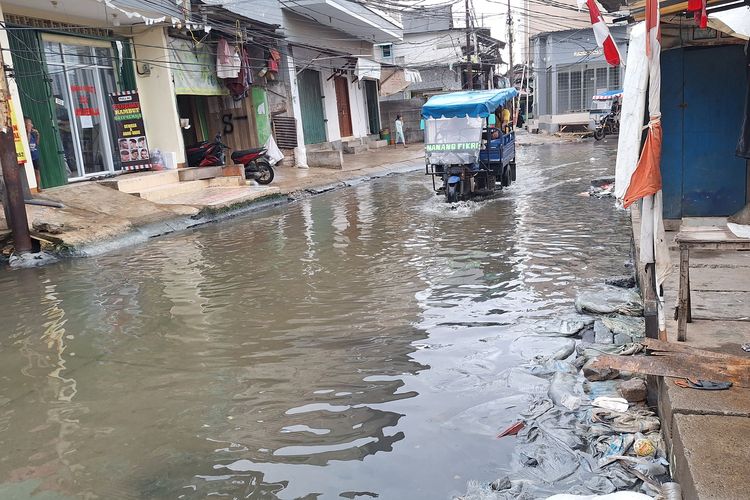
(82, 76)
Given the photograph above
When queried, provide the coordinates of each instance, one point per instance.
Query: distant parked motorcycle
(211, 154)
(609, 124)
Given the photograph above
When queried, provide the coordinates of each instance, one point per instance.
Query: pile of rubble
(592, 433)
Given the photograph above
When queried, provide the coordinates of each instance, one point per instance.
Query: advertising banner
(129, 131)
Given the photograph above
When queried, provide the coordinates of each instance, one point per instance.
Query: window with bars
(577, 87)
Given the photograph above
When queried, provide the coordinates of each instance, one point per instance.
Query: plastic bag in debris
(587, 350)
(273, 152)
(632, 326)
(632, 421)
(564, 327)
(609, 299)
(562, 391)
(620, 495)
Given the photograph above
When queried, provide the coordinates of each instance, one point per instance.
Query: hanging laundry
(228, 61)
(239, 87)
(273, 60)
(698, 8)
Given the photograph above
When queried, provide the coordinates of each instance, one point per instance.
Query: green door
(32, 79)
(262, 122)
(371, 91)
(311, 102)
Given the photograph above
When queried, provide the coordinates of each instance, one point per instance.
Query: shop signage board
(129, 131)
(20, 154)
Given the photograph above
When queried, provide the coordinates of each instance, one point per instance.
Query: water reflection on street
(357, 344)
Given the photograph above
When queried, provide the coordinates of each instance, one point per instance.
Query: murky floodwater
(357, 344)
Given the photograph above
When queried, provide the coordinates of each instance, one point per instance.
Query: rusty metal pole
(12, 188)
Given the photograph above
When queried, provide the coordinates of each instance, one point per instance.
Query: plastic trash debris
(561, 391)
(565, 327)
(746, 347)
(512, 430)
(671, 491)
(28, 260)
(628, 325)
(643, 447)
(616, 404)
(594, 350)
(703, 385)
(627, 281)
(602, 388)
(632, 421)
(620, 495)
(609, 299)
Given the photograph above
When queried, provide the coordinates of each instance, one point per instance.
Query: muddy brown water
(359, 344)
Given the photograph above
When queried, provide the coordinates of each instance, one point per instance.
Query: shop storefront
(64, 83)
(81, 76)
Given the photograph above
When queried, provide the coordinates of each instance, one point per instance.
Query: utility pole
(469, 68)
(11, 186)
(510, 51)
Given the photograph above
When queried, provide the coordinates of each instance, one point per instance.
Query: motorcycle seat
(244, 152)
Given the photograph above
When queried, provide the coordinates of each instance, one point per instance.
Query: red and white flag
(601, 32)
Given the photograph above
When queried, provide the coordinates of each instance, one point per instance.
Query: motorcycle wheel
(599, 134)
(264, 173)
(451, 193)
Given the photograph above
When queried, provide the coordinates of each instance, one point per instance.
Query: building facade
(438, 50)
(569, 69)
(332, 81)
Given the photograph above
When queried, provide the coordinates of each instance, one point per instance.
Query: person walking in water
(400, 131)
(36, 160)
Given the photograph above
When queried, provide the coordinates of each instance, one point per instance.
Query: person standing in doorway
(36, 160)
(400, 131)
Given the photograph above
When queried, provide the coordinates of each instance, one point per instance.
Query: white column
(157, 95)
(300, 153)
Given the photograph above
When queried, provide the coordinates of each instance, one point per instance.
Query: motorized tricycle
(605, 114)
(466, 154)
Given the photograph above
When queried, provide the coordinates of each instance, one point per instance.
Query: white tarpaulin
(637, 173)
(632, 111)
(367, 69)
(735, 22)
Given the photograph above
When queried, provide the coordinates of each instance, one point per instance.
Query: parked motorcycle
(256, 164)
(609, 124)
(211, 154)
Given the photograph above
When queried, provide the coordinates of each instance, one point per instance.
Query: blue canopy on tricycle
(608, 95)
(471, 103)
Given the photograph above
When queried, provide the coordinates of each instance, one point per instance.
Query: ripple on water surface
(364, 342)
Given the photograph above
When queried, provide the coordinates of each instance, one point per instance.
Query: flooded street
(358, 344)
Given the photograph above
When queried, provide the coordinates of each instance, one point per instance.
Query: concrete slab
(199, 173)
(137, 181)
(221, 197)
(158, 193)
(711, 456)
(325, 159)
(94, 213)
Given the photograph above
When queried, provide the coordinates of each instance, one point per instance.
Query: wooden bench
(699, 238)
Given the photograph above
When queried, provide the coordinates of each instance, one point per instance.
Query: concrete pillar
(17, 110)
(300, 153)
(156, 91)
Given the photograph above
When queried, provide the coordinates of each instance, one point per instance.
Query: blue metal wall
(703, 91)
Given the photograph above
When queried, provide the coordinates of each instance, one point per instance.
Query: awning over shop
(365, 69)
(193, 68)
(394, 80)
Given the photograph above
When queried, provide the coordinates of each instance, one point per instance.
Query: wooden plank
(684, 293)
(678, 365)
(674, 347)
